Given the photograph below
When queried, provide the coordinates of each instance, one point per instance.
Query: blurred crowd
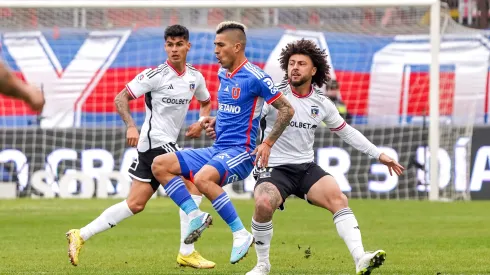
(473, 13)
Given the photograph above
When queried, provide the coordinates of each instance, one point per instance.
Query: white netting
(380, 58)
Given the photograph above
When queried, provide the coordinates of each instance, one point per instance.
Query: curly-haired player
(291, 169)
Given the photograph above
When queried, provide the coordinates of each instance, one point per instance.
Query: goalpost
(90, 122)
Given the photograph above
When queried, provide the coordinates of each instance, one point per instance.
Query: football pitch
(419, 237)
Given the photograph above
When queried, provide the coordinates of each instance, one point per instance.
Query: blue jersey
(241, 96)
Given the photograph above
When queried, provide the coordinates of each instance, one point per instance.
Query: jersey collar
(230, 75)
(175, 70)
(301, 96)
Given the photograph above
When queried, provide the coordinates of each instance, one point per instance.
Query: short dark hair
(317, 56)
(233, 25)
(177, 31)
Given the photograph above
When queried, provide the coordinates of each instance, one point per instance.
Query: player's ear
(189, 45)
(313, 71)
(238, 47)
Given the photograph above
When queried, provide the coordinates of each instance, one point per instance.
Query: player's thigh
(322, 190)
(273, 182)
(233, 164)
(191, 161)
(166, 163)
(139, 194)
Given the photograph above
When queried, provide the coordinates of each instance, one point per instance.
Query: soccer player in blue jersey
(243, 90)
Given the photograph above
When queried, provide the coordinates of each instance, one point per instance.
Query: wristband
(267, 144)
(201, 119)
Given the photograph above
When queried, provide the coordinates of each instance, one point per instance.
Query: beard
(299, 82)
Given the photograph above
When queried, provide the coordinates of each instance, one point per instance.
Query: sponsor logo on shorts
(232, 178)
(265, 175)
(223, 156)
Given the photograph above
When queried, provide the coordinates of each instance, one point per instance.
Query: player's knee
(263, 204)
(135, 206)
(202, 183)
(337, 200)
(158, 166)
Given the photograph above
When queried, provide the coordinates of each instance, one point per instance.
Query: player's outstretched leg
(139, 195)
(267, 200)
(188, 256)
(166, 169)
(206, 181)
(327, 194)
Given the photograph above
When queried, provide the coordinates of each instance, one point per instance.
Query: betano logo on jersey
(228, 108)
(178, 101)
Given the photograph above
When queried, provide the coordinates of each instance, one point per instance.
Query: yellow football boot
(194, 260)
(75, 243)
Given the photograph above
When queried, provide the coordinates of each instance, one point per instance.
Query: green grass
(419, 238)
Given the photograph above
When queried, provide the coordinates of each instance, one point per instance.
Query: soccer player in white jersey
(291, 169)
(168, 90)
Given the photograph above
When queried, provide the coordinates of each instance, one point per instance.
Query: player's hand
(392, 164)
(35, 98)
(132, 135)
(211, 133)
(262, 151)
(208, 124)
(194, 130)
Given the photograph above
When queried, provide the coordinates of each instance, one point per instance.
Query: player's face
(300, 69)
(225, 50)
(177, 48)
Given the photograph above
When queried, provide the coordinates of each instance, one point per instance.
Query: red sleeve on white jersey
(144, 82)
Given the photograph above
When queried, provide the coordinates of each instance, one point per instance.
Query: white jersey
(167, 98)
(295, 145)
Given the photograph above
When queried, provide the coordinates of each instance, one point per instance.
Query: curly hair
(317, 56)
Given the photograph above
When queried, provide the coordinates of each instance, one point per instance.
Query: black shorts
(292, 179)
(140, 169)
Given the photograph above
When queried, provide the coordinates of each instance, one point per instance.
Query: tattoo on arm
(285, 113)
(122, 106)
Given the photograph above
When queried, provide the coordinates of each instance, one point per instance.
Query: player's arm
(285, 113)
(204, 98)
(137, 87)
(12, 86)
(122, 106)
(357, 140)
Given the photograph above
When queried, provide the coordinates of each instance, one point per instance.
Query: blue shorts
(233, 164)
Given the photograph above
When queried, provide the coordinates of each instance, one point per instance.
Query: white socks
(263, 235)
(187, 249)
(348, 229)
(108, 219)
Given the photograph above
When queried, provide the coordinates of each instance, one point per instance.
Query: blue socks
(222, 204)
(177, 191)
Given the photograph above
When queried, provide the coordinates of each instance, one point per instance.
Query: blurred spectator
(333, 92)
